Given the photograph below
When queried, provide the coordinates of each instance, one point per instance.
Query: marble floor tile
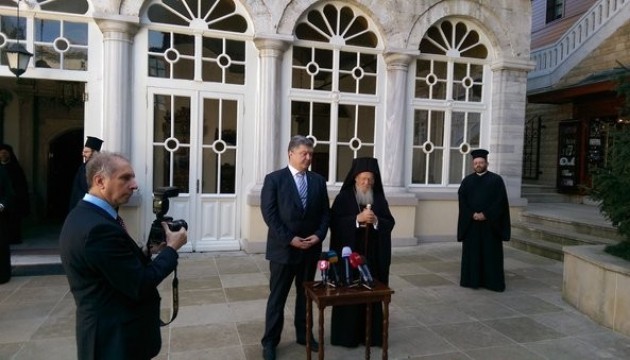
(62, 348)
(511, 352)
(247, 293)
(203, 337)
(242, 280)
(471, 335)
(523, 329)
(205, 282)
(236, 265)
(422, 280)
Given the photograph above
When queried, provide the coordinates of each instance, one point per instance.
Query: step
(560, 223)
(538, 247)
(543, 197)
(556, 235)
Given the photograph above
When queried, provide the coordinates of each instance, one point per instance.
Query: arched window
(334, 86)
(197, 51)
(449, 101)
(204, 41)
(58, 43)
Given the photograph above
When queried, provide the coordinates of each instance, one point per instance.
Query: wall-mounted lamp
(17, 55)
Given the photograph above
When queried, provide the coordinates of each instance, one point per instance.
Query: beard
(364, 198)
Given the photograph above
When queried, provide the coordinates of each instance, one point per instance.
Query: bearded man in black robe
(360, 219)
(482, 226)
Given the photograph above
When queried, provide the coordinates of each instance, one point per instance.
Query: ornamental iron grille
(531, 148)
(449, 102)
(334, 86)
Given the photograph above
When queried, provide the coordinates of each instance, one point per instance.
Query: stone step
(539, 247)
(549, 198)
(557, 235)
(562, 224)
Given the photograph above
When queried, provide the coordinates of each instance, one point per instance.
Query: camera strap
(175, 300)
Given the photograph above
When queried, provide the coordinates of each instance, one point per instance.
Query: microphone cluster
(329, 261)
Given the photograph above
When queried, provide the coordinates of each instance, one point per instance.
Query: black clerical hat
(93, 143)
(364, 164)
(479, 153)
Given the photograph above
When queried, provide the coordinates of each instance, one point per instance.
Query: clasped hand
(367, 216)
(479, 216)
(304, 243)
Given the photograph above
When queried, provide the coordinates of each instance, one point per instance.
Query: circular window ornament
(219, 146)
(464, 148)
(61, 45)
(428, 147)
(224, 60)
(171, 55)
(355, 143)
(358, 73)
(312, 68)
(171, 144)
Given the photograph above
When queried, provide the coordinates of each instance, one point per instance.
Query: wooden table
(329, 296)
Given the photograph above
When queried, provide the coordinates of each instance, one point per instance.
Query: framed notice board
(569, 136)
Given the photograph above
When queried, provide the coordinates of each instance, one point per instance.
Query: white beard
(364, 198)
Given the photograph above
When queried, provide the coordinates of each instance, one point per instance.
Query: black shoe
(269, 353)
(314, 344)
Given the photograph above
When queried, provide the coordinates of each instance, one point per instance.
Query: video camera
(160, 207)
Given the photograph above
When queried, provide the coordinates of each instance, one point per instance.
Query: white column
(268, 103)
(117, 97)
(392, 165)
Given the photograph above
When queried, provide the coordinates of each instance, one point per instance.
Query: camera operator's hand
(175, 239)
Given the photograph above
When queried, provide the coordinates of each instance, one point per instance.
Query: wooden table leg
(309, 324)
(385, 326)
(321, 333)
(368, 329)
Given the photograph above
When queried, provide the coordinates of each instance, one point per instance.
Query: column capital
(111, 26)
(272, 45)
(512, 63)
(396, 60)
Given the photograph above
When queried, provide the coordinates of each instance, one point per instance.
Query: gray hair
(102, 163)
(299, 140)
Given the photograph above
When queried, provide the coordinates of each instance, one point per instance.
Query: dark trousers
(280, 280)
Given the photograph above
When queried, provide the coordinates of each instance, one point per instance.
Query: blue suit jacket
(114, 286)
(284, 215)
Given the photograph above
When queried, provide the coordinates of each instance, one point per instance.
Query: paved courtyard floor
(223, 297)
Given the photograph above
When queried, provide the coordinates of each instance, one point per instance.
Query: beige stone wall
(551, 116)
(598, 284)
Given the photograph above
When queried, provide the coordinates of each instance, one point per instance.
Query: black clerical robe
(482, 250)
(348, 322)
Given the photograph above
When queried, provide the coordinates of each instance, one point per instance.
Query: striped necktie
(302, 187)
(121, 222)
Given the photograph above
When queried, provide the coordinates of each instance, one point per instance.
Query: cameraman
(113, 282)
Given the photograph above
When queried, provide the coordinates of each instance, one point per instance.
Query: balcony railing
(551, 57)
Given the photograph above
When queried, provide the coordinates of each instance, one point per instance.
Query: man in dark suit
(114, 283)
(295, 206)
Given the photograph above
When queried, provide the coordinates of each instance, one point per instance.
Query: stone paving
(223, 297)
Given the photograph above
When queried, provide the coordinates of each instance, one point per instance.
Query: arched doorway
(63, 161)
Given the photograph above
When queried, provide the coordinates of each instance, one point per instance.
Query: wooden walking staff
(366, 234)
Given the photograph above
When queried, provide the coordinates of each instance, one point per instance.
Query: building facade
(580, 48)
(205, 94)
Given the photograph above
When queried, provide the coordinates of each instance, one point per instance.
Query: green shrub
(611, 184)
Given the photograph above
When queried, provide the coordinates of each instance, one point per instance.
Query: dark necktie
(302, 187)
(121, 222)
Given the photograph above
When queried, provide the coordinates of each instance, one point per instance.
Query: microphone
(366, 269)
(323, 266)
(345, 254)
(333, 260)
(358, 262)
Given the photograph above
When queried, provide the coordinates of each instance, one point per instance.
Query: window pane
(47, 30)
(456, 169)
(76, 33)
